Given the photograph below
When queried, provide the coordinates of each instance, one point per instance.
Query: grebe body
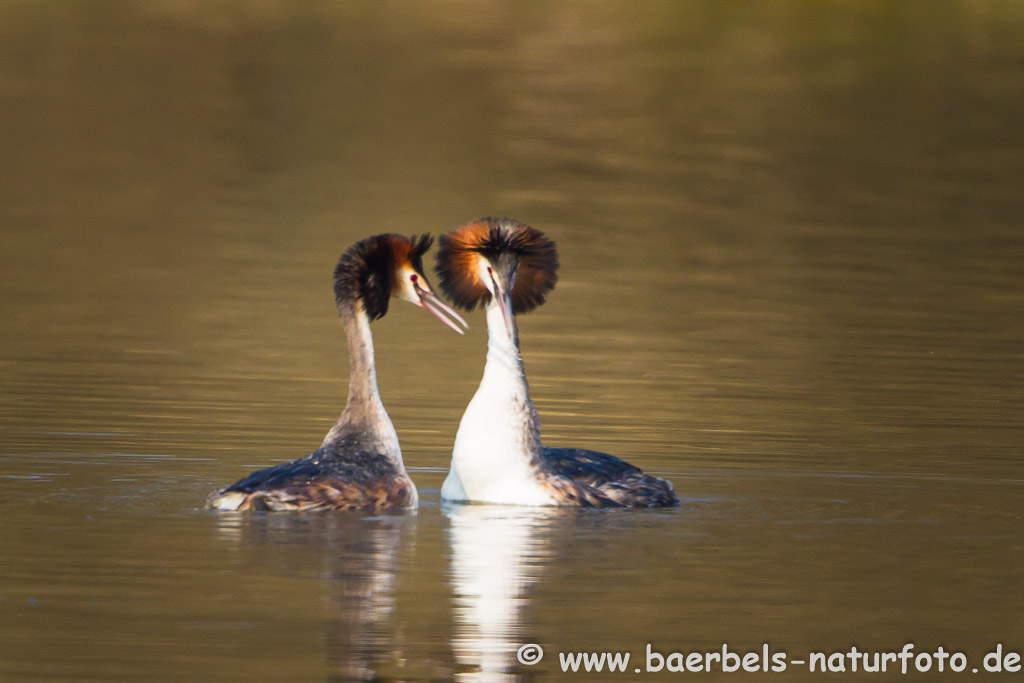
(509, 267)
(359, 466)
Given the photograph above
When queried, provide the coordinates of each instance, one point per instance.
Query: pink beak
(442, 311)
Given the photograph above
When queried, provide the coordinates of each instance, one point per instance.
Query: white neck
(504, 367)
(364, 412)
(497, 449)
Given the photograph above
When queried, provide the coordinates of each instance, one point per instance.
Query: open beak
(445, 313)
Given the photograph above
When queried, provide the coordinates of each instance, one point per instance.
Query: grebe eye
(413, 277)
(489, 271)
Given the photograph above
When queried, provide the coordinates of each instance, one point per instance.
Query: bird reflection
(497, 554)
(356, 557)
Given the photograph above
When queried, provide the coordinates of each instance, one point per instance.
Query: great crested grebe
(509, 267)
(359, 465)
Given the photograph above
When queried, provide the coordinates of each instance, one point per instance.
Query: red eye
(489, 271)
(414, 277)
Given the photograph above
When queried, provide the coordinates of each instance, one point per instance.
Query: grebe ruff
(508, 267)
(359, 465)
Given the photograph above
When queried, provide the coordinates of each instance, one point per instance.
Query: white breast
(498, 439)
(491, 458)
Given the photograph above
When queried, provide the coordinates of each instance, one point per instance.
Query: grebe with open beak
(509, 267)
(359, 466)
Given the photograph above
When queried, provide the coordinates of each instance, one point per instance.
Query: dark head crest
(497, 239)
(367, 271)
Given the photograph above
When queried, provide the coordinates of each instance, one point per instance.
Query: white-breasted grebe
(509, 267)
(359, 465)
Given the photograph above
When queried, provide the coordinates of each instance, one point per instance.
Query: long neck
(364, 412)
(505, 374)
(362, 384)
(503, 348)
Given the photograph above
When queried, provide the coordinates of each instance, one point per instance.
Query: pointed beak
(504, 305)
(445, 313)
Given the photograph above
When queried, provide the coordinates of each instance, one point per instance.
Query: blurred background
(791, 242)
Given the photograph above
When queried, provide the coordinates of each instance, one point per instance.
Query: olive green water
(792, 244)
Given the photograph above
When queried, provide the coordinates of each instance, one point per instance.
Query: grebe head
(498, 258)
(383, 266)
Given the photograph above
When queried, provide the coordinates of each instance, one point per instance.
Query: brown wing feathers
(333, 495)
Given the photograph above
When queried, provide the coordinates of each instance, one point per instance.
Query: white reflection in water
(497, 555)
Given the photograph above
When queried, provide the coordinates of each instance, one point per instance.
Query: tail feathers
(641, 491)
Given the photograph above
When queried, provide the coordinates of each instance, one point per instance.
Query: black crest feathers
(497, 239)
(367, 271)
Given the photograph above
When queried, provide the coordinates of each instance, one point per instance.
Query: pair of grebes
(507, 267)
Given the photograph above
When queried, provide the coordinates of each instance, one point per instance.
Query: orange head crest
(377, 268)
(515, 257)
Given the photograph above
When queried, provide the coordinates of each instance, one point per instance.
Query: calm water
(792, 282)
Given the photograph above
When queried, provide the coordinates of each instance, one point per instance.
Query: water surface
(791, 283)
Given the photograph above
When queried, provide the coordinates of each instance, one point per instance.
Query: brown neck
(362, 386)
